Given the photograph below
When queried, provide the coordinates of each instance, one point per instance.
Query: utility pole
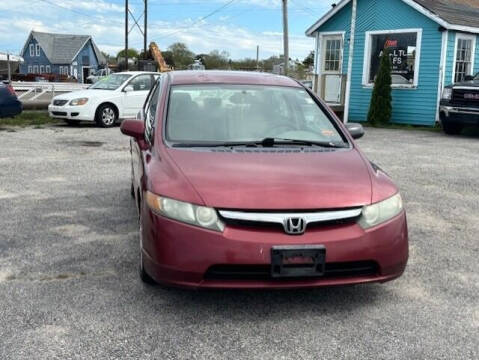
(126, 34)
(285, 36)
(9, 69)
(145, 31)
(257, 58)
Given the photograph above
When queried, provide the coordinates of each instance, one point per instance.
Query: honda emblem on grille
(294, 226)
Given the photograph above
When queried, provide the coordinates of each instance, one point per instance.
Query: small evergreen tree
(380, 110)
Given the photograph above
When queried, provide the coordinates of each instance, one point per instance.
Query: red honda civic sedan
(247, 180)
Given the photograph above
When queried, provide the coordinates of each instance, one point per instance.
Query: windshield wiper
(266, 142)
(270, 142)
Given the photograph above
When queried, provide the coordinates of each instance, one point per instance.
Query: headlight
(78, 102)
(447, 94)
(383, 211)
(201, 216)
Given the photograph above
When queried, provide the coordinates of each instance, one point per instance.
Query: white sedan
(115, 97)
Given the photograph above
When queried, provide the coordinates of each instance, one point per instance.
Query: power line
(201, 19)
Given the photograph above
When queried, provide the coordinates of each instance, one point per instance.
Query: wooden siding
(410, 106)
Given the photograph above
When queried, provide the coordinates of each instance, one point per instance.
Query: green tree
(309, 60)
(132, 53)
(380, 110)
(182, 56)
(215, 60)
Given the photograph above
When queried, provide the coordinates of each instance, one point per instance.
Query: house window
(332, 55)
(403, 47)
(29, 69)
(37, 50)
(32, 50)
(35, 69)
(42, 69)
(463, 64)
(48, 70)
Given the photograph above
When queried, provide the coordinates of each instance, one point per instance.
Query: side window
(141, 83)
(32, 51)
(150, 113)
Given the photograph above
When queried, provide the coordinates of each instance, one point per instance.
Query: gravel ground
(68, 270)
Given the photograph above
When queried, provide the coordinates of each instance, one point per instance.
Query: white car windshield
(111, 82)
(203, 114)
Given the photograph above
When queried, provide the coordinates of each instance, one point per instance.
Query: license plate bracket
(292, 261)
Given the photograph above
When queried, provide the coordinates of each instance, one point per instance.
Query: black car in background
(460, 105)
(10, 106)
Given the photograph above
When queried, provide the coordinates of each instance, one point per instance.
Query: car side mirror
(128, 88)
(133, 128)
(469, 78)
(356, 130)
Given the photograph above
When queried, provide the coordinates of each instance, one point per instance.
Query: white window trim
(42, 69)
(48, 69)
(35, 69)
(367, 57)
(29, 69)
(32, 50)
(37, 50)
(319, 54)
(460, 36)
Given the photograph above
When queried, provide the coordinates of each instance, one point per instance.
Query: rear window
(237, 113)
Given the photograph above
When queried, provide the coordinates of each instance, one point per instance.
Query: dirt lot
(68, 265)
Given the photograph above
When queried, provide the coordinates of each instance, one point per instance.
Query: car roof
(190, 77)
(138, 72)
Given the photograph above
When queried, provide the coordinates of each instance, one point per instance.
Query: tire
(451, 128)
(106, 116)
(72, 122)
(144, 276)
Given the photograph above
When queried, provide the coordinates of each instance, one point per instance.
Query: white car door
(134, 99)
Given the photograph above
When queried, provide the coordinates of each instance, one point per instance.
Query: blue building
(70, 55)
(432, 43)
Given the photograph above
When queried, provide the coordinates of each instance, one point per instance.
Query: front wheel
(106, 116)
(451, 128)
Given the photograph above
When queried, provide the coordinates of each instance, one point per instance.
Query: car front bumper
(79, 113)
(182, 255)
(460, 115)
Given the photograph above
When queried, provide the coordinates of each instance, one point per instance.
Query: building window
(37, 50)
(29, 69)
(32, 50)
(48, 70)
(403, 47)
(35, 69)
(463, 61)
(42, 69)
(332, 55)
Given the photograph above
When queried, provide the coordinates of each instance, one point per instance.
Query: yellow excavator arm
(158, 57)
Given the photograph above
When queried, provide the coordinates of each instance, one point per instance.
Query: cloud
(108, 31)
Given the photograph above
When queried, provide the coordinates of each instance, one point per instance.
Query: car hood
(265, 180)
(87, 93)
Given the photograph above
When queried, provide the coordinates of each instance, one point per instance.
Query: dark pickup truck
(460, 106)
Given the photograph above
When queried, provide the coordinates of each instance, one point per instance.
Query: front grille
(59, 113)
(279, 227)
(466, 97)
(263, 272)
(59, 102)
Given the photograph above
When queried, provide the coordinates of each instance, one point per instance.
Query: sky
(235, 26)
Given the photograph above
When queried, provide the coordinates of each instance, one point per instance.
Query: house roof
(63, 48)
(457, 12)
(461, 15)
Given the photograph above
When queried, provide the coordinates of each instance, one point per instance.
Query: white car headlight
(78, 102)
(381, 212)
(201, 216)
(447, 94)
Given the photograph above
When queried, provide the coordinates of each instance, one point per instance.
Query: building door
(331, 68)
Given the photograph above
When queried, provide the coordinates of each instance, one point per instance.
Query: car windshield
(217, 114)
(111, 82)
